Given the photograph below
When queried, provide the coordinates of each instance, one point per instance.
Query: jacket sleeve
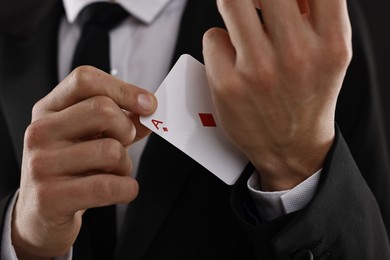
(4, 202)
(360, 117)
(343, 221)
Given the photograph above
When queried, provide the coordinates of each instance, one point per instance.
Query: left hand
(275, 85)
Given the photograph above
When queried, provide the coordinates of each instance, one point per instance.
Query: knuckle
(226, 4)
(37, 165)
(111, 150)
(341, 51)
(337, 53)
(82, 77)
(104, 107)
(211, 34)
(37, 108)
(130, 190)
(34, 134)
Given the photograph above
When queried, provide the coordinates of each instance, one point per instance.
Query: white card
(186, 118)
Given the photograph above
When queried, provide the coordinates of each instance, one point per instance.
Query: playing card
(186, 118)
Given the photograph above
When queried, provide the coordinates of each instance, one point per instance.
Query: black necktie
(93, 49)
(96, 21)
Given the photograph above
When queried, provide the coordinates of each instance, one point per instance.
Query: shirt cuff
(271, 205)
(7, 249)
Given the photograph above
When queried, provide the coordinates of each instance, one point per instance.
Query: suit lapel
(161, 178)
(28, 71)
(14, 14)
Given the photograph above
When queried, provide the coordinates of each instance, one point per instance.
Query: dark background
(378, 19)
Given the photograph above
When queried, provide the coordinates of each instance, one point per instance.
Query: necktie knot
(96, 20)
(104, 14)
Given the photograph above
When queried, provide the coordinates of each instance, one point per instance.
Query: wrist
(286, 178)
(23, 249)
(285, 171)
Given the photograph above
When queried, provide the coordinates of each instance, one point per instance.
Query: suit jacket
(183, 211)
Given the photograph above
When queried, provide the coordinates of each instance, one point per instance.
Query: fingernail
(145, 101)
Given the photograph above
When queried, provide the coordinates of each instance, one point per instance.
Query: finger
(96, 191)
(282, 18)
(141, 130)
(243, 24)
(100, 156)
(330, 17)
(86, 81)
(219, 54)
(97, 115)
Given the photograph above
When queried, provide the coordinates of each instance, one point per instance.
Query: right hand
(75, 157)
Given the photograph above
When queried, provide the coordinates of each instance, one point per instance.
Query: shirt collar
(144, 10)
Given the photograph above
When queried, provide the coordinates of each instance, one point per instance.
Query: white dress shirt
(141, 51)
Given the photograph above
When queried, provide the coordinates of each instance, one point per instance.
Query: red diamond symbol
(207, 120)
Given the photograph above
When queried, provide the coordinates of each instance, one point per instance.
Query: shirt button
(114, 72)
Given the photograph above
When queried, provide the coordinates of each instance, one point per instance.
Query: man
(284, 76)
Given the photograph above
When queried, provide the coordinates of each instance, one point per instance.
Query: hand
(75, 157)
(275, 85)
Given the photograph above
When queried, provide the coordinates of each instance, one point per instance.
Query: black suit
(186, 212)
